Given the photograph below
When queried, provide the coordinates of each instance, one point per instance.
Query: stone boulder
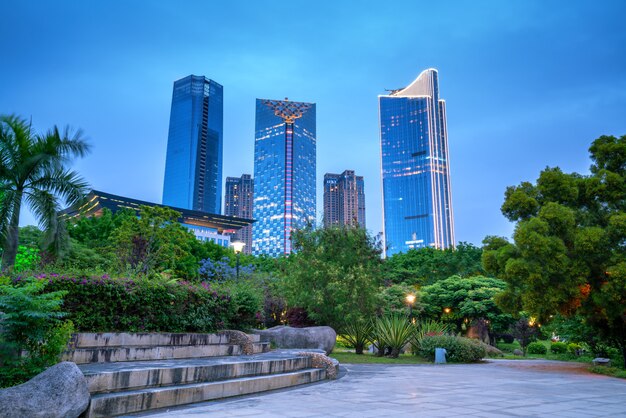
(322, 338)
(518, 352)
(60, 391)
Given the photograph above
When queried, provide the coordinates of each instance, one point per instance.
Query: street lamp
(410, 300)
(238, 247)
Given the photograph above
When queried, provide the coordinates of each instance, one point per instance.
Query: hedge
(458, 349)
(105, 304)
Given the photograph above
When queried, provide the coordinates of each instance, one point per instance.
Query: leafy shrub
(357, 335)
(394, 332)
(536, 348)
(102, 303)
(27, 258)
(298, 318)
(427, 328)
(558, 348)
(458, 349)
(32, 336)
(506, 338)
(247, 300)
(574, 349)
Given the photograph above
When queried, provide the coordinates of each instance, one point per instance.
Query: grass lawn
(367, 358)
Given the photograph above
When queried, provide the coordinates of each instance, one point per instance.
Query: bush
(32, 336)
(427, 328)
(558, 348)
(458, 349)
(102, 303)
(506, 338)
(536, 348)
(247, 302)
(574, 349)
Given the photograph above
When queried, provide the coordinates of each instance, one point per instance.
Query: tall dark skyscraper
(284, 173)
(193, 167)
(238, 200)
(417, 201)
(344, 199)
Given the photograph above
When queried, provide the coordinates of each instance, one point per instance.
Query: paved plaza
(493, 389)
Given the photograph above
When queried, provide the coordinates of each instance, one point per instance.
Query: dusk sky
(528, 84)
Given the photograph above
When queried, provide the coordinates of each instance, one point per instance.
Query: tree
(568, 253)
(427, 265)
(33, 168)
(466, 299)
(334, 275)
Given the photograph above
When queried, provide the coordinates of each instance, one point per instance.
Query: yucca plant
(358, 335)
(393, 331)
(427, 329)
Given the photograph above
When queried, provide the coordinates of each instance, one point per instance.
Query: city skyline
(517, 74)
(344, 200)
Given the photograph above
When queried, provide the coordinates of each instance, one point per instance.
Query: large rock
(323, 338)
(60, 391)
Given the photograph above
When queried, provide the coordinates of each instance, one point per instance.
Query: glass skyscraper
(284, 173)
(417, 201)
(238, 199)
(193, 166)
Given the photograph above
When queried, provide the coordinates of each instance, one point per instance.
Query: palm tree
(33, 168)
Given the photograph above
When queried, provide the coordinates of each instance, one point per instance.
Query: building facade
(193, 166)
(417, 200)
(238, 198)
(344, 199)
(284, 173)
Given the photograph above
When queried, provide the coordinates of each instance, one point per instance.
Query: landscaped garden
(563, 274)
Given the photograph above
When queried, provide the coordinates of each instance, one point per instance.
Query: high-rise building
(284, 173)
(417, 202)
(238, 199)
(193, 167)
(344, 199)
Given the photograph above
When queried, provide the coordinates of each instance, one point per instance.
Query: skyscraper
(417, 202)
(284, 173)
(344, 199)
(193, 166)
(238, 202)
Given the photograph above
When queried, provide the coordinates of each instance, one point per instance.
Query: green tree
(568, 253)
(334, 275)
(427, 265)
(30, 236)
(153, 242)
(33, 168)
(465, 299)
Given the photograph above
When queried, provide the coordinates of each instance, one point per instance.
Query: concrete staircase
(131, 373)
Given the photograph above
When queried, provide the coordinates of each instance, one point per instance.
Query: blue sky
(528, 84)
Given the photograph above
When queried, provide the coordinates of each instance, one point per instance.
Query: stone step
(139, 353)
(122, 339)
(115, 377)
(120, 403)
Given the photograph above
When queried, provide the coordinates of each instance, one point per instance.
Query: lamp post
(238, 247)
(410, 300)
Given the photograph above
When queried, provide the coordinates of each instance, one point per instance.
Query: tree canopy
(568, 253)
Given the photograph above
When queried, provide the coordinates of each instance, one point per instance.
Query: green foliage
(574, 349)
(393, 332)
(247, 299)
(393, 300)
(536, 348)
(428, 265)
(30, 236)
(427, 328)
(568, 252)
(524, 332)
(462, 299)
(458, 349)
(34, 168)
(32, 336)
(357, 335)
(334, 275)
(27, 259)
(154, 304)
(558, 348)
